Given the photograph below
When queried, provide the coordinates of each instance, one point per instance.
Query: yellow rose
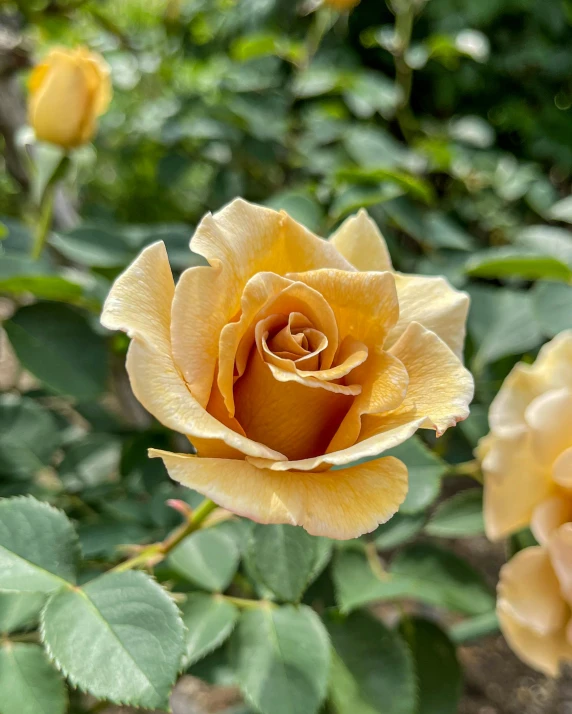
(68, 91)
(527, 457)
(535, 600)
(281, 359)
(341, 5)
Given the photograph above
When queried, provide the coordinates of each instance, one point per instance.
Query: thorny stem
(154, 553)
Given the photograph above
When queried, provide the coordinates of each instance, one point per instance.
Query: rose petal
(550, 515)
(562, 470)
(514, 484)
(549, 417)
(364, 304)
(139, 303)
(560, 549)
(532, 612)
(440, 388)
(384, 381)
(338, 504)
(360, 241)
(433, 303)
(294, 419)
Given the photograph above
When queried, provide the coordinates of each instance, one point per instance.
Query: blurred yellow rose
(68, 91)
(534, 602)
(341, 5)
(281, 359)
(527, 457)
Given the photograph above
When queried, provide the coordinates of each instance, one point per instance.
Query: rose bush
(534, 601)
(68, 91)
(527, 456)
(287, 356)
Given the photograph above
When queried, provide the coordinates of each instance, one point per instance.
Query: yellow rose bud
(534, 601)
(341, 5)
(68, 91)
(527, 457)
(288, 355)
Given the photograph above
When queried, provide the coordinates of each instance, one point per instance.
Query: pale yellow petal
(384, 382)
(562, 471)
(247, 239)
(365, 304)
(554, 361)
(433, 303)
(158, 385)
(532, 613)
(338, 504)
(390, 431)
(544, 653)
(550, 515)
(530, 592)
(139, 303)
(560, 549)
(294, 419)
(549, 417)
(520, 388)
(360, 241)
(199, 313)
(440, 388)
(514, 485)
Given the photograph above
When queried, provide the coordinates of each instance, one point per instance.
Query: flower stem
(246, 604)
(156, 552)
(474, 627)
(46, 207)
(404, 16)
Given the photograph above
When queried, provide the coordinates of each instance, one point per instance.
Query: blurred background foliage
(449, 120)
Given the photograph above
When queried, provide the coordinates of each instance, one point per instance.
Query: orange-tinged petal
(550, 515)
(389, 431)
(338, 504)
(549, 417)
(440, 388)
(530, 591)
(264, 295)
(139, 303)
(514, 484)
(360, 241)
(384, 381)
(364, 304)
(292, 418)
(433, 303)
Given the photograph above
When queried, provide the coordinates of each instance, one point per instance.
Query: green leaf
(94, 246)
(57, 345)
(371, 92)
(425, 472)
(353, 198)
(28, 682)
(19, 610)
(38, 546)
(372, 671)
(119, 638)
(300, 206)
(209, 620)
(208, 558)
(283, 558)
(29, 436)
(421, 572)
(399, 529)
(512, 262)
(460, 516)
(90, 461)
(438, 673)
(282, 658)
(20, 275)
(561, 210)
(552, 304)
(502, 322)
(547, 240)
